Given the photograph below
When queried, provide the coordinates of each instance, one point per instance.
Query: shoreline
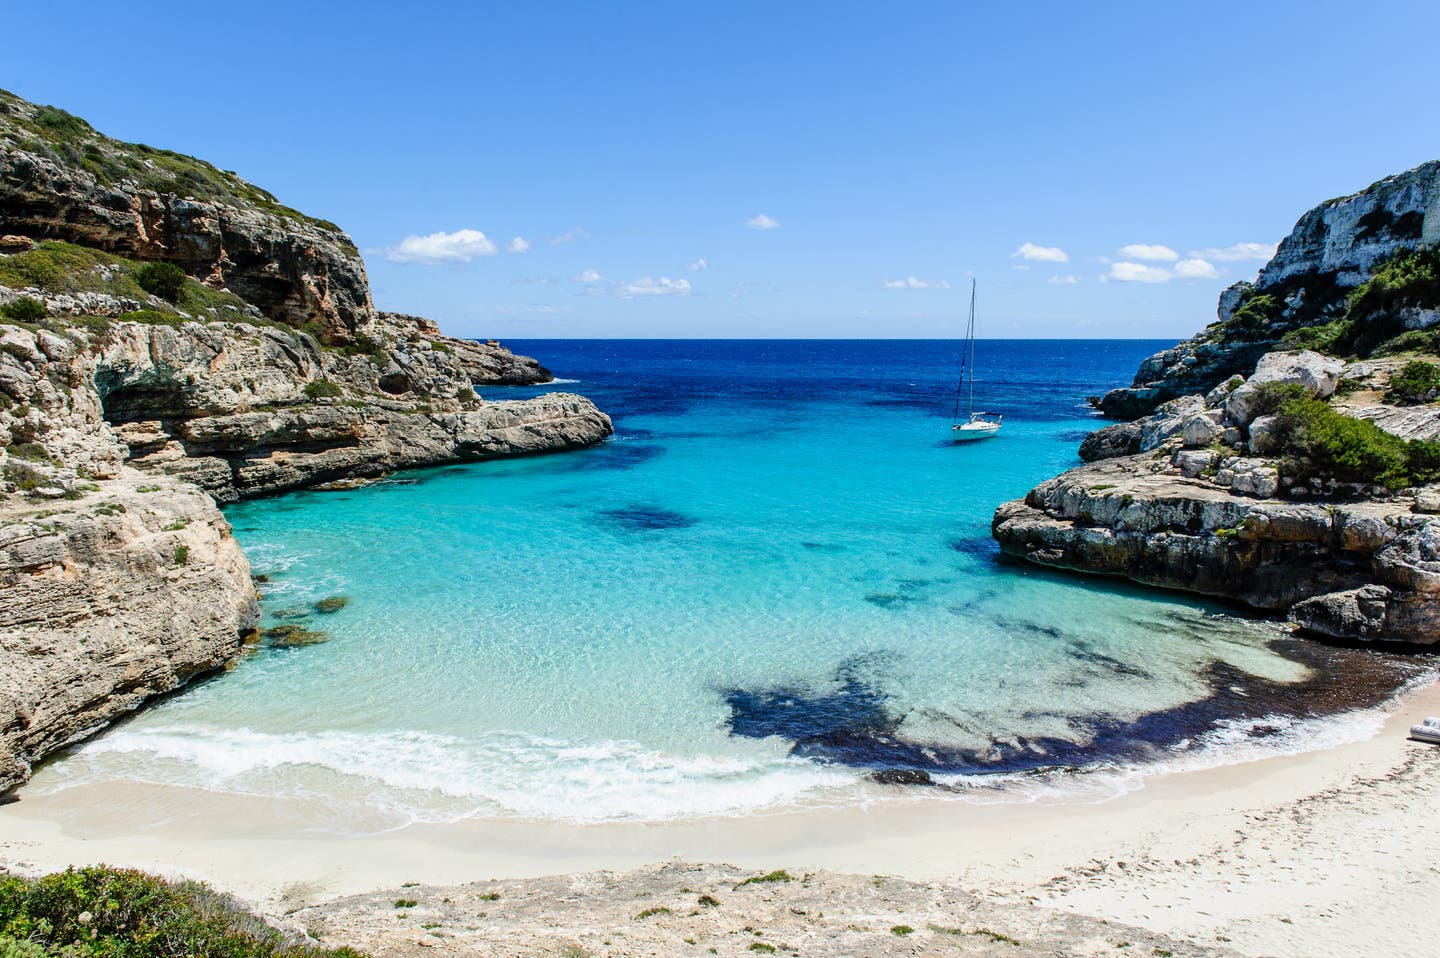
(1237, 818)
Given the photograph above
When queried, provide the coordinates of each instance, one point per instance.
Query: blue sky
(771, 169)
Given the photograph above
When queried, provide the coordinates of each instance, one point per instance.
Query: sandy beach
(1324, 852)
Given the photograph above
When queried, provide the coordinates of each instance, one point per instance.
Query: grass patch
(26, 309)
(120, 913)
(28, 451)
(1414, 383)
(181, 555)
(322, 389)
(900, 931)
(762, 947)
(405, 903)
(778, 875)
(652, 912)
(705, 901)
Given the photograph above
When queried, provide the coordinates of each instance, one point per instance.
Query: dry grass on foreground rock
(685, 909)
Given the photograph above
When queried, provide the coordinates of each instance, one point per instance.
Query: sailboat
(977, 425)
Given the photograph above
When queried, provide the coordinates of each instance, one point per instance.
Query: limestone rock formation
(120, 592)
(263, 367)
(1332, 249)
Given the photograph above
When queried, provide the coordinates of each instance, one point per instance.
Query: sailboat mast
(970, 334)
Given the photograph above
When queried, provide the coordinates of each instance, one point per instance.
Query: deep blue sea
(776, 579)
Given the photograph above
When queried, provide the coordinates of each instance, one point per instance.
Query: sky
(796, 169)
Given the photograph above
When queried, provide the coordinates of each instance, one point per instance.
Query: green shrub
(101, 912)
(59, 121)
(1272, 397)
(1410, 278)
(26, 309)
(182, 555)
(165, 280)
(1316, 441)
(321, 389)
(363, 345)
(1415, 382)
(1252, 319)
(1332, 338)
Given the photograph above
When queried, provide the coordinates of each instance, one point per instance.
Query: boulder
(1120, 439)
(1316, 373)
(1168, 420)
(1201, 429)
(1263, 441)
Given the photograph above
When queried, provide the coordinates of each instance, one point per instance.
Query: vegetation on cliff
(1315, 441)
(101, 912)
(67, 139)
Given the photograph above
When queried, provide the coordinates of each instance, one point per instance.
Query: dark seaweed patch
(823, 546)
(1026, 625)
(849, 721)
(638, 517)
(977, 547)
(619, 455)
(1084, 652)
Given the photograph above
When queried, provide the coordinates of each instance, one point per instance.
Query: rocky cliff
(1306, 286)
(133, 400)
(1297, 482)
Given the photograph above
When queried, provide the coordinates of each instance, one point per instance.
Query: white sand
(1335, 852)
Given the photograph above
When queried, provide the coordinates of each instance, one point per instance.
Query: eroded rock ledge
(119, 575)
(110, 598)
(1359, 569)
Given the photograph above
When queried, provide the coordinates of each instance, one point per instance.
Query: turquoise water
(774, 580)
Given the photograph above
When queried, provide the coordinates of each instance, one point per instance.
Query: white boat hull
(971, 431)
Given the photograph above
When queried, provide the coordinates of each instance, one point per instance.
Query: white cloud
(1063, 280)
(698, 265)
(460, 246)
(1138, 273)
(910, 282)
(1147, 251)
(762, 222)
(518, 245)
(1195, 269)
(645, 286)
(1042, 254)
(569, 236)
(1125, 272)
(589, 276)
(1236, 253)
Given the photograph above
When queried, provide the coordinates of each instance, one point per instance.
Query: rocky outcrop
(120, 411)
(1143, 520)
(1192, 498)
(1332, 249)
(118, 592)
(296, 270)
(1201, 492)
(487, 364)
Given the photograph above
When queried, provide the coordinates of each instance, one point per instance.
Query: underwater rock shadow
(641, 517)
(849, 719)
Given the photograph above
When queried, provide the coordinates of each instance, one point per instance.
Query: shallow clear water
(776, 578)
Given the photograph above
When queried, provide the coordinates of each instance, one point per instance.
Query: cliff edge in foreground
(1287, 457)
(171, 337)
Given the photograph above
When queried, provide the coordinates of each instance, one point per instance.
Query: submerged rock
(332, 605)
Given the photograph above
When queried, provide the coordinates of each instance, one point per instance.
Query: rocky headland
(171, 337)
(1286, 457)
